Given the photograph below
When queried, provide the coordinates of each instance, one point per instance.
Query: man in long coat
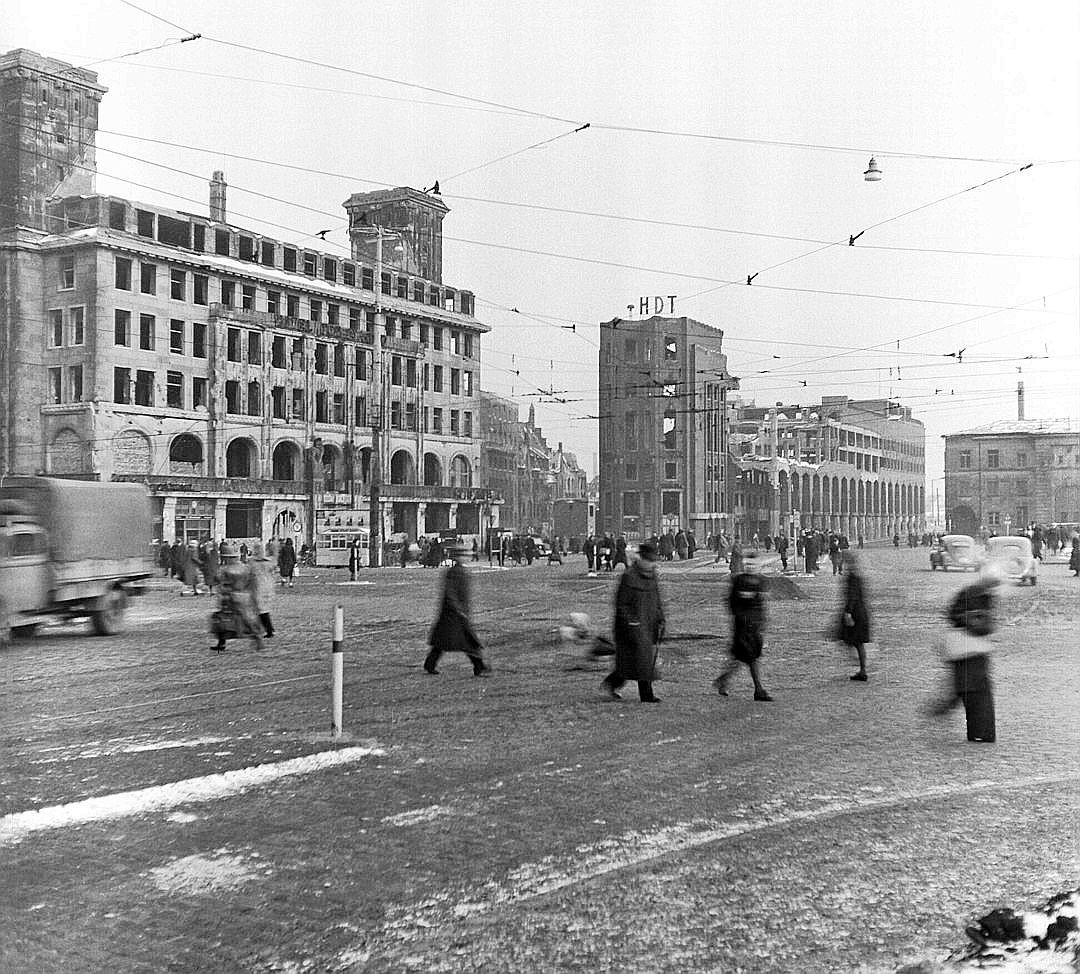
(639, 626)
(747, 603)
(854, 628)
(453, 631)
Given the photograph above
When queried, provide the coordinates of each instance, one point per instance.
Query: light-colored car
(955, 551)
(1012, 553)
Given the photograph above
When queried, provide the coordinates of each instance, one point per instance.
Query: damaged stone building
(258, 387)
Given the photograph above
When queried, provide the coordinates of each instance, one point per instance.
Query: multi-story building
(663, 427)
(1008, 474)
(855, 466)
(256, 386)
(518, 465)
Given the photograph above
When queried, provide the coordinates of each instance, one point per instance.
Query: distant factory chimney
(1020, 400)
(217, 196)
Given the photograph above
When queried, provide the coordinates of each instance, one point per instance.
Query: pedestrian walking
(1074, 558)
(354, 558)
(736, 561)
(834, 554)
(639, 627)
(286, 561)
(782, 550)
(859, 540)
(236, 615)
(453, 630)
(966, 647)
(264, 571)
(747, 604)
(210, 565)
(620, 554)
(191, 567)
(853, 628)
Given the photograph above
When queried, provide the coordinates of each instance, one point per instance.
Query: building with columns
(258, 387)
(853, 466)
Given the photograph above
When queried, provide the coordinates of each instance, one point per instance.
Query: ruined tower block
(48, 131)
(412, 224)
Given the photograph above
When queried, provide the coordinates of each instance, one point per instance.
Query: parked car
(543, 549)
(1014, 555)
(955, 551)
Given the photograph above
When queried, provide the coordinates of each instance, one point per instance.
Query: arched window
(287, 462)
(240, 458)
(460, 472)
(186, 455)
(402, 468)
(432, 470)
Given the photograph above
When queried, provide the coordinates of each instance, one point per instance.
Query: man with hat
(237, 609)
(453, 631)
(747, 603)
(639, 626)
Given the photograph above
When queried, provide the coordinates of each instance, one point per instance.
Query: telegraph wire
(516, 152)
(578, 212)
(149, 13)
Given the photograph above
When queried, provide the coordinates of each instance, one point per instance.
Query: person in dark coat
(681, 545)
(835, 555)
(453, 631)
(747, 603)
(810, 553)
(176, 560)
(735, 562)
(354, 558)
(639, 626)
(588, 548)
(854, 625)
(211, 565)
(620, 553)
(966, 647)
(782, 549)
(286, 562)
(1074, 557)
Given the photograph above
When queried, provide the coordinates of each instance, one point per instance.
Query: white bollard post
(337, 654)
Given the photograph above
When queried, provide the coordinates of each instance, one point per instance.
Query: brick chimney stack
(1020, 400)
(217, 196)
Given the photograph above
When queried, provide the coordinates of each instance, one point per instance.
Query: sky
(726, 139)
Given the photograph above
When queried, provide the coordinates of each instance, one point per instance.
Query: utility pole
(375, 491)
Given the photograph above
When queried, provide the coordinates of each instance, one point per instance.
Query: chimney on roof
(217, 196)
(1020, 400)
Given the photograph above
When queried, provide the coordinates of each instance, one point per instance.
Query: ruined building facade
(258, 387)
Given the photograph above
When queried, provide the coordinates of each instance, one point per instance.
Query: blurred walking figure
(854, 625)
(237, 613)
(453, 631)
(639, 626)
(1074, 558)
(735, 562)
(210, 565)
(286, 562)
(265, 574)
(192, 566)
(747, 603)
(966, 647)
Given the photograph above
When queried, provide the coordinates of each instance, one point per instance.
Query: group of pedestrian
(603, 553)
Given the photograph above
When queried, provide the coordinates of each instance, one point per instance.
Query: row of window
(227, 243)
(245, 399)
(995, 459)
(289, 305)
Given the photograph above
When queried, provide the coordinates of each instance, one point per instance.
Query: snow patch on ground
(417, 815)
(181, 818)
(107, 749)
(200, 874)
(18, 825)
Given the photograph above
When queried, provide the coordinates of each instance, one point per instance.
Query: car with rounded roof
(1014, 555)
(955, 551)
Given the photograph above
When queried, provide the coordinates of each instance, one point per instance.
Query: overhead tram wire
(150, 13)
(576, 212)
(610, 126)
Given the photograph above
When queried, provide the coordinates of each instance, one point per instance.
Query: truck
(73, 549)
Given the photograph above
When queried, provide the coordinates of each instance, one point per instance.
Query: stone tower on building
(48, 132)
(412, 231)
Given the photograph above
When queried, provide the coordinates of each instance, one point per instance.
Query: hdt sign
(657, 304)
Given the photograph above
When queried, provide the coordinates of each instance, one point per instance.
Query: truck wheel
(108, 616)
